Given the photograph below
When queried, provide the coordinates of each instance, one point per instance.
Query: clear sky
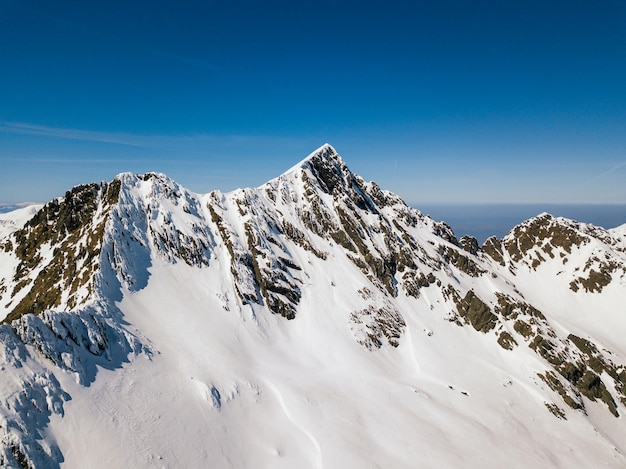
(438, 101)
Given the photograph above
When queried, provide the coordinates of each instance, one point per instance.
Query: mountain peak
(132, 179)
(326, 170)
(324, 153)
(387, 313)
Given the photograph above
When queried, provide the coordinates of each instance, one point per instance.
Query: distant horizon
(483, 220)
(497, 219)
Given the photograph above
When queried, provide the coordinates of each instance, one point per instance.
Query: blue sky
(446, 101)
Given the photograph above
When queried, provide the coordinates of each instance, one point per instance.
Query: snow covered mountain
(315, 321)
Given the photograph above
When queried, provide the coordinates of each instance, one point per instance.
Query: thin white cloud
(71, 134)
(147, 141)
(615, 168)
(56, 160)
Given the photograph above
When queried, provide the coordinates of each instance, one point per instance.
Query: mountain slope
(315, 321)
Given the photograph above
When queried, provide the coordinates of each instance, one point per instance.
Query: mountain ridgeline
(316, 242)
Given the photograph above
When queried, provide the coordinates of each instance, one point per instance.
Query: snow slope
(315, 321)
(15, 219)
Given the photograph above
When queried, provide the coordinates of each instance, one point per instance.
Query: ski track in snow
(317, 463)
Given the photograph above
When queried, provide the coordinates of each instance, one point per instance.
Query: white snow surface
(192, 376)
(16, 219)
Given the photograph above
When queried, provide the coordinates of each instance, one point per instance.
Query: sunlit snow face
(316, 320)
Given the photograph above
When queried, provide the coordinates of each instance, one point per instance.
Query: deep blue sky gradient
(446, 101)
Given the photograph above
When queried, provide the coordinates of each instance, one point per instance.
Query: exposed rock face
(66, 270)
(59, 250)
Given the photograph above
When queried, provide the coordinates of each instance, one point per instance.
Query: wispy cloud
(72, 134)
(57, 160)
(615, 168)
(147, 141)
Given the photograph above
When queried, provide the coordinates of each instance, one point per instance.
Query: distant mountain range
(314, 321)
(5, 208)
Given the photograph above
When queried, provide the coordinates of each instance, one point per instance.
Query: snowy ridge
(314, 321)
(15, 219)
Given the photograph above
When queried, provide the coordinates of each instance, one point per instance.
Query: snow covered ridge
(382, 313)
